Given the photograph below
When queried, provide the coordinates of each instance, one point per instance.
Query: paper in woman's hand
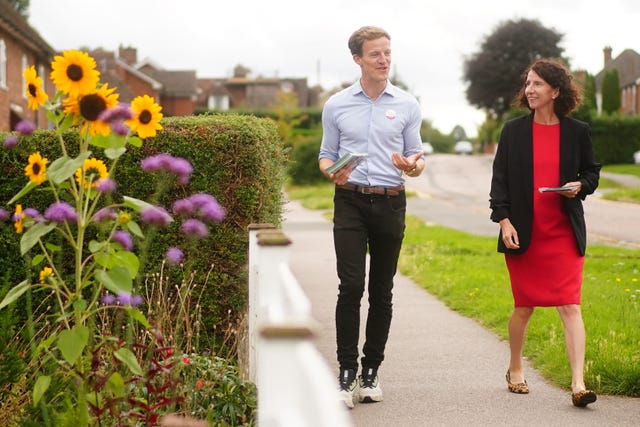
(557, 189)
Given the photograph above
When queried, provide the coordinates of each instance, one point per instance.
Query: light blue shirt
(352, 122)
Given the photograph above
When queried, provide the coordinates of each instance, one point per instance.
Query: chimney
(607, 56)
(128, 55)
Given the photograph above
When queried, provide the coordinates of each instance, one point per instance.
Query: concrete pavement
(441, 369)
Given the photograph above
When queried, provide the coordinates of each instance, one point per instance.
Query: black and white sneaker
(348, 387)
(370, 390)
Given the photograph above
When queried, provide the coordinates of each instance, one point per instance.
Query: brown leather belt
(383, 191)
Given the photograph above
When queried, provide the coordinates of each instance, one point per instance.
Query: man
(374, 117)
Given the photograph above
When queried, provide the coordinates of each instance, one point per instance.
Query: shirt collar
(356, 89)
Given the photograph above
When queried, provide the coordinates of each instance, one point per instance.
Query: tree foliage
(610, 91)
(22, 6)
(493, 74)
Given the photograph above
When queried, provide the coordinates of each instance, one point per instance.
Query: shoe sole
(370, 397)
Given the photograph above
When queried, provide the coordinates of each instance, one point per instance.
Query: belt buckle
(366, 190)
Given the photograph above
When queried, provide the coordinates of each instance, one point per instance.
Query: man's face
(375, 61)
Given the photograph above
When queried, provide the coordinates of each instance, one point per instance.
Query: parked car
(636, 157)
(463, 147)
(427, 148)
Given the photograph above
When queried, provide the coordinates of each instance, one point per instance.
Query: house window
(41, 74)
(25, 64)
(3, 64)
(218, 102)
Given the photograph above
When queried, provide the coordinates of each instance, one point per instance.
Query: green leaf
(139, 317)
(71, 343)
(64, 167)
(95, 246)
(25, 190)
(111, 141)
(128, 260)
(42, 384)
(136, 204)
(127, 357)
(135, 141)
(116, 280)
(114, 153)
(52, 248)
(134, 228)
(15, 293)
(37, 260)
(33, 235)
(115, 384)
(66, 123)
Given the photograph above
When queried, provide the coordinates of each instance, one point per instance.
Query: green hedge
(615, 137)
(240, 160)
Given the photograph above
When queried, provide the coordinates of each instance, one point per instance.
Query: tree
(493, 74)
(22, 6)
(610, 91)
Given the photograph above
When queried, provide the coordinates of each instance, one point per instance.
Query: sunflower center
(36, 169)
(74, 72)
(144, 117)
(91, 106)
(33, 90)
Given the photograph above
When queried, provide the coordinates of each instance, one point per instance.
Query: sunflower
(34, 92)
(17, 219)
(146, 116)
(92, 170)
(44, 273)
(37, 168)
(89, 106)
(74, 73)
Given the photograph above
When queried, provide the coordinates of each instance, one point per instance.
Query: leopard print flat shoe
(519, 388)
(583, 398)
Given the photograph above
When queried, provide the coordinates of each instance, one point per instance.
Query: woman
(543, 234)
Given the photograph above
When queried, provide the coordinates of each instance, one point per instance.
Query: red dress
(549, 272)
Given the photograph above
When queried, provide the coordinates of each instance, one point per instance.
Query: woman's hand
(574, 192)
(509, 234)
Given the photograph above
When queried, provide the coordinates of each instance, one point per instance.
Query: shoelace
(369, 378)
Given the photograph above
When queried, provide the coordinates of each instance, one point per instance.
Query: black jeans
(376, 223)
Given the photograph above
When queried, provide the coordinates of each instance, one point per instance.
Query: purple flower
(126, 298)
(157, 162)
(60, 212)
(10, 141)
(105, 214)
(174, 256)
(106, 185)
(195, 228)
(123, 238)
(108, 299)
(119, 127)
(201, 199)
(156, 215)
(182, 168)
(25, 127)
(4, 215)
(33, 213)
(182, 207)
(213, 212)
(118, 113)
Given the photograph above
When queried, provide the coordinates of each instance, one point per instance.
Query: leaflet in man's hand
(349, 159)
(557, 189)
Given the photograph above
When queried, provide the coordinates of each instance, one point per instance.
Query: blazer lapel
(527, 158)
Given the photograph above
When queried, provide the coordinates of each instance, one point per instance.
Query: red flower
(199, 384)
(186, 360)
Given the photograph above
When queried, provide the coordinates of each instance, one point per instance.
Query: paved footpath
(441, 369)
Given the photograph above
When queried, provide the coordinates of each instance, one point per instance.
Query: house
(175, 91)
(20, 47)
(243, 91)
(628, 66)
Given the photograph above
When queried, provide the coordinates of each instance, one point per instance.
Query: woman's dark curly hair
(558, 76)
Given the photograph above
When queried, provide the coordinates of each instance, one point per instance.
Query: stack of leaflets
(557, 189)
(349, 159)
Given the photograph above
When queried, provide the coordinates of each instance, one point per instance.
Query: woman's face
(538, 92)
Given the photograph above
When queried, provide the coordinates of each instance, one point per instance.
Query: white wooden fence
(295, 386)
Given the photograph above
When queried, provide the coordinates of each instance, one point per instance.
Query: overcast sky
(296, 38)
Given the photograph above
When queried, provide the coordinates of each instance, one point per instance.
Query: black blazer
(511, 194)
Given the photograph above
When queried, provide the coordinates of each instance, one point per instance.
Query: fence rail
(295, 385)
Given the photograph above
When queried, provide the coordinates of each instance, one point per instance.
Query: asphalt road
(454, 191)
